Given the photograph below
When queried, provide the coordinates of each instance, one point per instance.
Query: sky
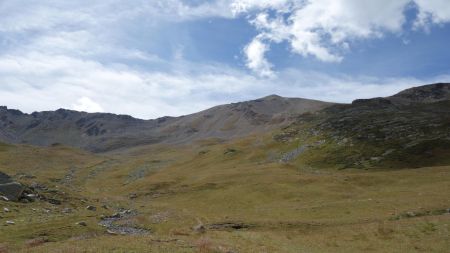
(154, 58)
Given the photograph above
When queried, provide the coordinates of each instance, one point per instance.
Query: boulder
(12, 191)
(4, 179)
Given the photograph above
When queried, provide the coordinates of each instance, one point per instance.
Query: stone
(200, 228)
(6, 210)
(10, 222)
(410, 214)
(111, 232)
(82, 223)
(54, 201)
(91, 208)
(4, 179)
(31, 196)
(13, 190)
(375, 159)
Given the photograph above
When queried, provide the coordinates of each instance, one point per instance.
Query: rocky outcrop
(9, 189)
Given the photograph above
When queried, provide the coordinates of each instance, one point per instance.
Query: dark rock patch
(228, 226)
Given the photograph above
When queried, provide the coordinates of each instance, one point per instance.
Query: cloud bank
(325, 29)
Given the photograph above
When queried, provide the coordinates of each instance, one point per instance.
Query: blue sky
(150, 58)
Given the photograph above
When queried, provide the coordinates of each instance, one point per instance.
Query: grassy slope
(290, 208)
(375, 136)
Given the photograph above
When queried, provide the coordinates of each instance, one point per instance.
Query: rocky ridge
(100, 132)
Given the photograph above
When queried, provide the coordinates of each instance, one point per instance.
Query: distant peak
(273, 96)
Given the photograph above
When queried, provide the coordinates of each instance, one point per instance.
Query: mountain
(100, 132)
(409, 129)
(293, 176)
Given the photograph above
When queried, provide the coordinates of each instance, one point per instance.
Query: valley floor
(219, 197)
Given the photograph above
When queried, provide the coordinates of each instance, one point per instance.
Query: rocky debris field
(120, 224)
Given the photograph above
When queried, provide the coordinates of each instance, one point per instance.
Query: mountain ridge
(100, 132)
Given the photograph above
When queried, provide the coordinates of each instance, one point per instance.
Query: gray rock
(10, 222)
(200, 228)
(12, 190)
(4, 179)
(82, 223)
(54, 201)
(91, 208)
(111, 232)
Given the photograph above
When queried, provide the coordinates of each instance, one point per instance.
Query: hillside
(217, 198)
(409, 129)
(100, 132)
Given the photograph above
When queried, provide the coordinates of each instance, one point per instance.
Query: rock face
(99, 132)
(11, 190)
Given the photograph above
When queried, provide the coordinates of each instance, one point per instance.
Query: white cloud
(239, 6)
(322, 28)
(256, 61)
(86, 104)
(325, 29)
(23, 15)
(432, 11)
(36, 81)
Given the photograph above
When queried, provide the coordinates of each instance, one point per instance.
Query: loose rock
(91, 208)
(200, 228)
(82, 223)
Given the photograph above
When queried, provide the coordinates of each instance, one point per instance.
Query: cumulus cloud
(256, 60)
(324, 29)
(432, 12)
(35, 81)
(86, 104)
